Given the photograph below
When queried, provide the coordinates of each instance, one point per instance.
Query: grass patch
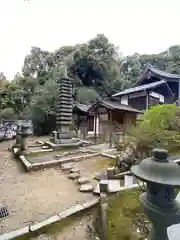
(99, 163)
(122, 210)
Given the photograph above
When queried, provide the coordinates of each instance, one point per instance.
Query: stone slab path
(34, 196)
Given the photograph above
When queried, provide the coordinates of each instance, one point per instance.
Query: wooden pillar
(95, 125)
(110, 127)
(147, 101)
(178, 100)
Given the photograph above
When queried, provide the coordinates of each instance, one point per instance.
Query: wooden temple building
(104, 115)
(154, 87)
(123, 108)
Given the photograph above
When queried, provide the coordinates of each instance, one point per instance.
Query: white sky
(144, 26)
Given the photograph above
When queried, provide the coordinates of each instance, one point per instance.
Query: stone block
(110, 172)
(90, 203)
(114, 186)
(39, 142)
(83, 180)
(26, 163)
(45, 147)
(73, 176)
(102, 175)
(86, 188)
(14, 234)
(103, 186)
(67, 167)
(70, 211)
(75, 170)
(36, 226)
(128, 181)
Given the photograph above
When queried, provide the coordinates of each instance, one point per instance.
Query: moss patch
(121, 213)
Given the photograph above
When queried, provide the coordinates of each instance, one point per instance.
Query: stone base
(65, 143)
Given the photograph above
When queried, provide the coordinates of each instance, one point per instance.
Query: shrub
(158, 127)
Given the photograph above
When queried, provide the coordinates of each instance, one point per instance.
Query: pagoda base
(64, 143)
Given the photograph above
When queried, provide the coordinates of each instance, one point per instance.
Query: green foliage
(121, 213)
(96, 66)
(158, 127)
(7, 114)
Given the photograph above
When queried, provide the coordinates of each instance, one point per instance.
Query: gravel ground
(32, 197)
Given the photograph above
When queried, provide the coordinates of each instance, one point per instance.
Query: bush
(158, 127)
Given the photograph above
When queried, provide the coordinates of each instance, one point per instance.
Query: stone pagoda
(63, 136)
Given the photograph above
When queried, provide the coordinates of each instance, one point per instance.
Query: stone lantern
(159, 204)
(23, 131)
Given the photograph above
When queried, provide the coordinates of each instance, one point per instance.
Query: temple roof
(151, 71)
(114, 105)
(82, 107)
(140, 88)
(163, 74)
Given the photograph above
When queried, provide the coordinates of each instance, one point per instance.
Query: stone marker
(83, 180)
(113, 186)
(73, 176)
(86, 188)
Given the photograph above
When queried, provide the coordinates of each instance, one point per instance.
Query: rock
(83, 180)
(86, 188)
(75, 170)
(114, 186)
(67, 166)
(102, 175)
(73, 176)
(45, 147)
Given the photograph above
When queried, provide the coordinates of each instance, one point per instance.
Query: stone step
(75, 170)
(67, 166)
(86, 188)
(83, 180)
(73, 176)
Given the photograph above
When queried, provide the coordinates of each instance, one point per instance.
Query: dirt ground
(32, 197)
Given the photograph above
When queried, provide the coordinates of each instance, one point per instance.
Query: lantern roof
(158, 169)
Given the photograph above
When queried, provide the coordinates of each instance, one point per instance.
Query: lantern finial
(160, 155)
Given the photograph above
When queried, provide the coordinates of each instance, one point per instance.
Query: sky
(143, 26)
